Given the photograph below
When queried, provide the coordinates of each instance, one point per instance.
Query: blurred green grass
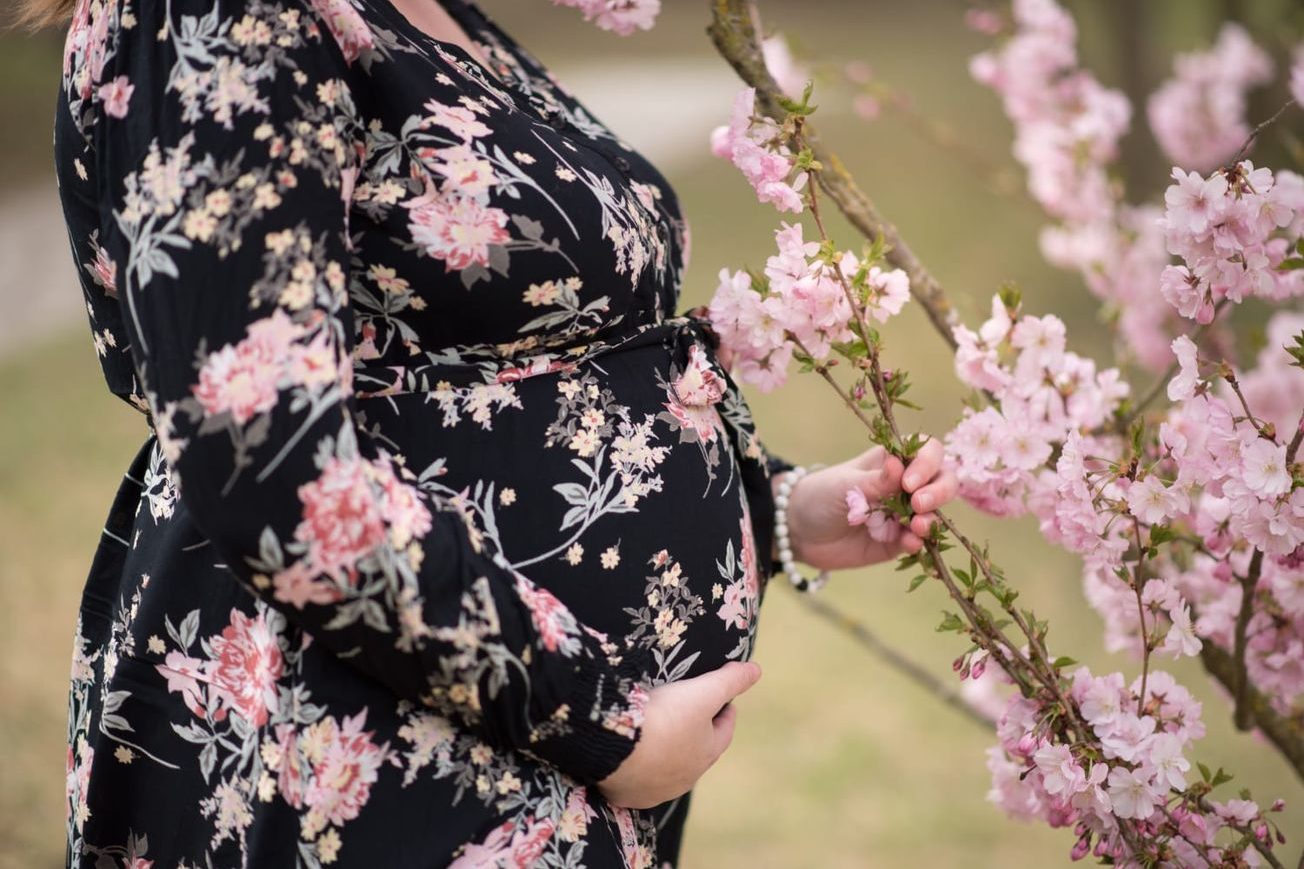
(838, 762)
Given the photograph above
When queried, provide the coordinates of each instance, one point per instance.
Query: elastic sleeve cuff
(777, 465)
(592, 732)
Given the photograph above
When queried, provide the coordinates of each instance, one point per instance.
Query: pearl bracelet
(783, 543)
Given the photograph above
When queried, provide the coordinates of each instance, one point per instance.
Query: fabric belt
(675, 334)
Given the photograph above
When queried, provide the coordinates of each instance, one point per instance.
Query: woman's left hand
(818, 529)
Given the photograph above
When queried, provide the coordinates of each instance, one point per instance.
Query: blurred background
(839, 762)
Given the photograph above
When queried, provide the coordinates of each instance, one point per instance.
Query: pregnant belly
(617, 486)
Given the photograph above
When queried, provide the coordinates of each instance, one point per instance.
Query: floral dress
(436, 483)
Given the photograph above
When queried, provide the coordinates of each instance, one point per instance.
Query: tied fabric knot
(701, 381)
(699, 384)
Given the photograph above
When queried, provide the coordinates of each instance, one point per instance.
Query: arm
(223, 178)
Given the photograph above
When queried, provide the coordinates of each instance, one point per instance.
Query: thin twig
(1138, 585)
(859, 632)
(1254, 134)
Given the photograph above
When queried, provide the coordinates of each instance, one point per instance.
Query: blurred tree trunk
(1131, 23)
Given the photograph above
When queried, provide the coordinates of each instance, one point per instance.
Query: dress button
(621, 163)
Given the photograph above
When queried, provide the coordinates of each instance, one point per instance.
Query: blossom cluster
(1198, 115)
(1135, 770)
(1067, 129)
(1173, 528)
(619, 16)
(801, 303)
(1067, 125)
(1224, 479)
(1041, 394)
(1232, 230)
(757, 146)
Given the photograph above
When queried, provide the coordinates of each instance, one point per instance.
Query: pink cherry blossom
(1182, 387)
(890, 292)
(1060, 773)
(1130, 793)
(880, 524)
(622, 17)
(1194, 203)
(1265, 467)
(1154, 502)
(753, 144)
(790, 75)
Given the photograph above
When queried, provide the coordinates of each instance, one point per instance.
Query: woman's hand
(687, 725)
(817, 507)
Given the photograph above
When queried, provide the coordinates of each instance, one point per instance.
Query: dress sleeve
(226, 141)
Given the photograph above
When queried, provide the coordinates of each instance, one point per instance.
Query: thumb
(727, 682)
(881, 482)
(722, 730)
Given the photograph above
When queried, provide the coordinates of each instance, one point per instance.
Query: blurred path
(38, 289)
(665, 108)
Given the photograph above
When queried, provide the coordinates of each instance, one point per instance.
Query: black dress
(436, 484)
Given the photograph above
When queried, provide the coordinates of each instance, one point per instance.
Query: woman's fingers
(925, 465)
(886, 480)
(922, 523)
(941, 490)
(910, 542)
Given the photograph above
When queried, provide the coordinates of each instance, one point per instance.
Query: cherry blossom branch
(1138, 586)
(1056, 722)
(734, 31)
(1002, 650)
(1292, 449)
(985, 631)
(1254, 134)
(1242, 716)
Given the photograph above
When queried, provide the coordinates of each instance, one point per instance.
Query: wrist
(787, 549)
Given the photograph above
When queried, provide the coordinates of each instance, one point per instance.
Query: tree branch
(1286, 734)
(733, 30)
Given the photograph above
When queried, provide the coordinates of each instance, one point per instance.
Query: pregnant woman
(448, 537)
